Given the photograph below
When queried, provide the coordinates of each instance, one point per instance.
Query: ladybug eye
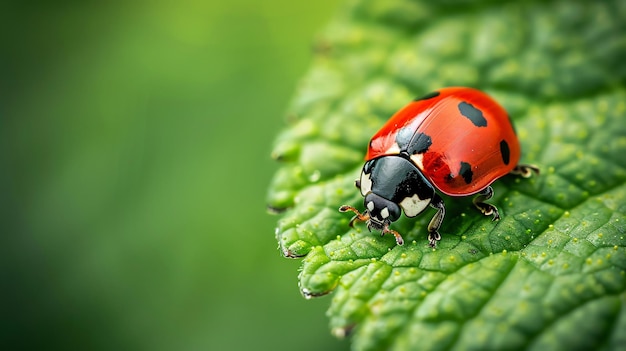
(394, 212)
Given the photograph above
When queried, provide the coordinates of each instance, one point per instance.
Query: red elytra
(467, 138)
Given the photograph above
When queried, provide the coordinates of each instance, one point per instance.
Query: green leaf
(551, 274)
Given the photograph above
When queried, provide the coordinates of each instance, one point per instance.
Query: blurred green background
(134, 167)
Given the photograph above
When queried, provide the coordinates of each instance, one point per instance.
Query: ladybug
(455, 140)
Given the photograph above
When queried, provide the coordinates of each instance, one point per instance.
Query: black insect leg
(525, 170)
(435, 222)
(485, 208)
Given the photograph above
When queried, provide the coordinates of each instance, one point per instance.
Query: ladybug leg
(399, 239)
(485, 208)
(363, 217)
(435, 222)
(525, 170)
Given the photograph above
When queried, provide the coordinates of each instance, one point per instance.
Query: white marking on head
(366, 184)
(384, 213)
(417, 160)
(413, 205)
(370, 206)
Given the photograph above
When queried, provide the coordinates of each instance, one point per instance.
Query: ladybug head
(380, 211)
(390, 185)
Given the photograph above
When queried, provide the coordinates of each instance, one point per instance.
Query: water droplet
(315, 176)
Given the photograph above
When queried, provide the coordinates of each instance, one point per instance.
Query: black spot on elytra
(420, 144)
(403, 137)
(473, 114)
(506, 153)
(428, 96)
(466, 172)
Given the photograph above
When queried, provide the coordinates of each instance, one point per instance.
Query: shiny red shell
(460, 138)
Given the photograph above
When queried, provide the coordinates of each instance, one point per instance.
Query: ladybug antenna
(363, 217)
